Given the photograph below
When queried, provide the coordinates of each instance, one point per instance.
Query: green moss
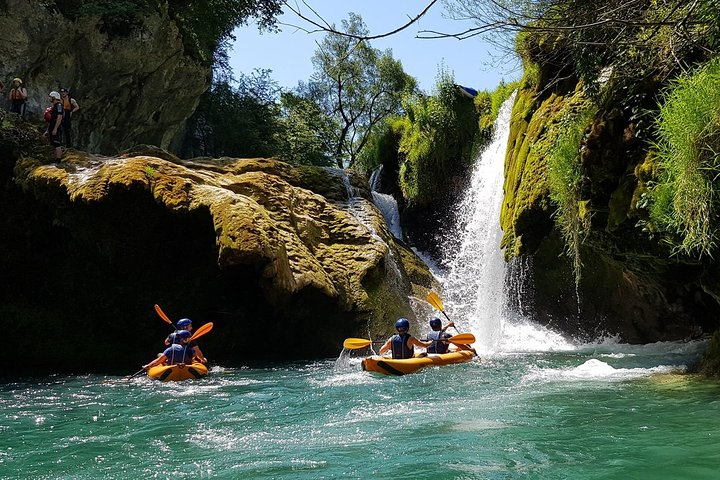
(536, 126)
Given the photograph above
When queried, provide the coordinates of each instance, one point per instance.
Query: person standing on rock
(56, 118)
(70, 106)
(17, 97)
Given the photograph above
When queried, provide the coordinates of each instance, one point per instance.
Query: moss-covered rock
(279, 257)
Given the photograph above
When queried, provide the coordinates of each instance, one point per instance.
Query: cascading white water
(386, 204)
(474, 284)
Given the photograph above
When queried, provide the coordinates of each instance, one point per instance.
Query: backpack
(48, 114)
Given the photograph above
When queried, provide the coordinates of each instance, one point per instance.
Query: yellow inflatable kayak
(176, 373)
(389, 366)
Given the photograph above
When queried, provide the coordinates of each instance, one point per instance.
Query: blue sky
(288, 53)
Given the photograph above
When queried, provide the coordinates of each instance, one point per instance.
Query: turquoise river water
(592, 412)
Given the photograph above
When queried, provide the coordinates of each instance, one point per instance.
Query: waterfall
(386, 204)
(476, 280)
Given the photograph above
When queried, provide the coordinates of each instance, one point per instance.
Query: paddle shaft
(142, 370)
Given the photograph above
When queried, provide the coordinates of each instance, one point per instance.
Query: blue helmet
(436, 324)
(402, 323)
(182, 335)
(184, 322)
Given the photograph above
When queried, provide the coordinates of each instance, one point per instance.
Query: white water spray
(475, 285)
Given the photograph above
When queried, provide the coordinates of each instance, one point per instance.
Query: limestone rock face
(283, 259)
(135, 89)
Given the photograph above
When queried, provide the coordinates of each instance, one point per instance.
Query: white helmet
(55, 95)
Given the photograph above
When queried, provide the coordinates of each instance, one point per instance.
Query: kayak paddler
(185, 324)
(177, 353)
(402, 344)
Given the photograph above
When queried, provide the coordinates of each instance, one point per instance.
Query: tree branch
(323, 26)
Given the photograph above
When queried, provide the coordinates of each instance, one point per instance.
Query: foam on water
(597, 370)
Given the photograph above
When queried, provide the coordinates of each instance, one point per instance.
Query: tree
(356, 85)
(305, 132)
(585, 35)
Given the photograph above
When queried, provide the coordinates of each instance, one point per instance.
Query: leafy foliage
(205, 25)
(236, 122)
(304, 133)
(248, 121)
(639, 39)
(686, 200)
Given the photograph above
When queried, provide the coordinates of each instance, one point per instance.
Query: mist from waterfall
(477, 280)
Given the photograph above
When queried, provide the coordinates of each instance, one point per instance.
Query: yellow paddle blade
(462, 339)
(435, 301)
(162, 315)
(202, 331)
(354, 343)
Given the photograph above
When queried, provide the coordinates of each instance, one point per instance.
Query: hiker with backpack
(17, 97)
(54, 117)
(70, 106)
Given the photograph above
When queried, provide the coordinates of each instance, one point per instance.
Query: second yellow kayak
(389, 366)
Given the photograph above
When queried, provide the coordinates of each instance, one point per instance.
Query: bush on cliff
(437, 137)
(686, 200)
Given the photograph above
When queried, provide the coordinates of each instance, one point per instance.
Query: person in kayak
(438, 335)
(402, 345)
(177, 353)
(185, 324)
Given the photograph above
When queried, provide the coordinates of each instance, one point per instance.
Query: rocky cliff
(284, 260)
(628, 283)
(135, 88)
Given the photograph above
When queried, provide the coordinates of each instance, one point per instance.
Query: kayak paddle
(355, 343)
(202, 331)
(435, 301)
(462, 339)
(162, 315)
(142, 370)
